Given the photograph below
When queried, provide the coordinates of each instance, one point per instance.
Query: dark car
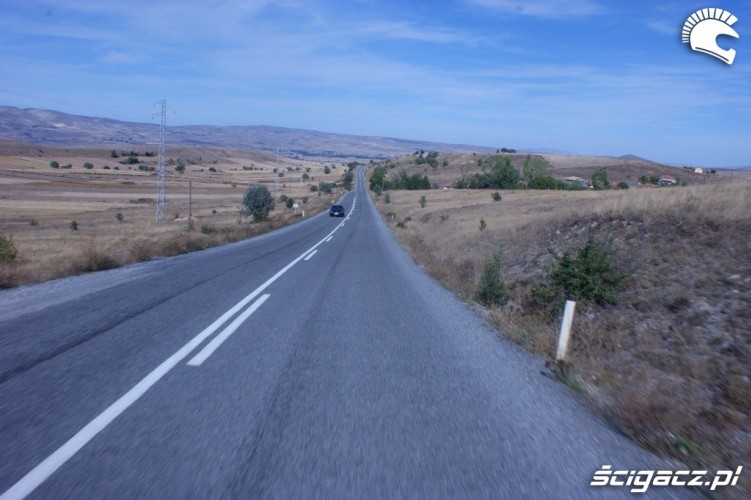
(336, 211)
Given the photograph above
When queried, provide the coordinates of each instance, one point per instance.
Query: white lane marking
(329, 239)
(49, 465)
(212, 346)
(311, 254)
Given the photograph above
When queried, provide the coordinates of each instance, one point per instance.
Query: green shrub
(483, 224)
(325, 187)
(208, 229)
(290, 202)
(88, 166)
(387, 198)
(423, 201)
(588, 278)
(501, 174)
(600, 180)
(54, 164)
(8, 251)
(491, 290)
(623, 185)
(496, 196)
(73, 225)
(119, 216)
(257, 202)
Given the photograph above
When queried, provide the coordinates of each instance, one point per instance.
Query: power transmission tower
(276, 174)
(161, 182)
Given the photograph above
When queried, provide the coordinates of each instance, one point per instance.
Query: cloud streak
(543, 8)
(416, 71)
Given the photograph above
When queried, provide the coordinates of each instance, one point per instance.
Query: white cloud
(544, 8)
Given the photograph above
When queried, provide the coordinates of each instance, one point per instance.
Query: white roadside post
(568, 318)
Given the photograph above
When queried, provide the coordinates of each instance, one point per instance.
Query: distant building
(576, 180)
(667, 180)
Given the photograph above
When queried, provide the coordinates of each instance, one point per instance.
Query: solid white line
(311, 254)
(212, 346)
(48, 466)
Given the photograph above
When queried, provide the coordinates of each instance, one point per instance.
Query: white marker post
(568, 318)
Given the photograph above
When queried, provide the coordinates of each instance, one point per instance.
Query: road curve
(317, 361)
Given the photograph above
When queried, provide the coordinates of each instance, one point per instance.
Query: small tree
(257, 202)
(54, 164)
(423, 201)
(492, 289)
(600, 180)
(8, 251)
(326, 170)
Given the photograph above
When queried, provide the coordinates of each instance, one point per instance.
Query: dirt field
(113, 204)
(670, 362)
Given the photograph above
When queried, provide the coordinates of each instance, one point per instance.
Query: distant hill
(53, 128)
(634, 158)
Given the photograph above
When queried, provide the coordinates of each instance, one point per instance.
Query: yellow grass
(38, 204)
(671, 363)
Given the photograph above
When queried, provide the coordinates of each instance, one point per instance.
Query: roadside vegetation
(57, 221)
(661, 343)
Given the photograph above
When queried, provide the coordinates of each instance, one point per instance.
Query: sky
(575, 76)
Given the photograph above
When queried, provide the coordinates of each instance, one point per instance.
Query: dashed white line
(212, 346)
(52, 463)
(311, 254)
(329, 239)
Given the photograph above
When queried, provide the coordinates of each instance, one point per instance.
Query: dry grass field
(670, 362)
(113, 204)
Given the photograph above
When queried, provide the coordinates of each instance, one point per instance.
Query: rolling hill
(53, 128)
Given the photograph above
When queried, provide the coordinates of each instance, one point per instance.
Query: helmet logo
(703, 27)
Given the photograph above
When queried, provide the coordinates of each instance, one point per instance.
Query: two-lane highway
(315, 361)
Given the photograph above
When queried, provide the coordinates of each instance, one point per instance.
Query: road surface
(317, 361)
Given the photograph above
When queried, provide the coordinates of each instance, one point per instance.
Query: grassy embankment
(670, 362)
(65, 221)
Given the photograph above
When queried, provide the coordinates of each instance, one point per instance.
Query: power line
(79, 104)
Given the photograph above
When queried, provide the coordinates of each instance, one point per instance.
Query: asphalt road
(317, 361)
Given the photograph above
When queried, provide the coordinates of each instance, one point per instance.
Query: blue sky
(581, 76)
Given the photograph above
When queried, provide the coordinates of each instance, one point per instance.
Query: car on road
(336, 211)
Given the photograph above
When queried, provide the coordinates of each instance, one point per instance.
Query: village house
(667, 180)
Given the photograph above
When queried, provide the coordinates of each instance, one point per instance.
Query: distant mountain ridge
(54, 128)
